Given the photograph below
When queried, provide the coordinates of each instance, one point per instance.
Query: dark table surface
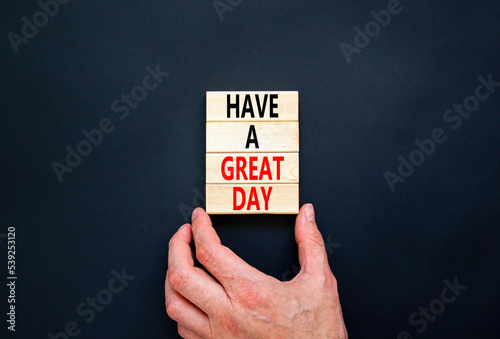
(363, 103)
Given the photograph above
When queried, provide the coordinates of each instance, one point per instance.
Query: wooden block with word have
(252, 154)
(247, 106)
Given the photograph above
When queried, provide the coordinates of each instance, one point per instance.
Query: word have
(40, 19)
(247, 106)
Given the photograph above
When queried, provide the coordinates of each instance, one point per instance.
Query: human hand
(244, 302)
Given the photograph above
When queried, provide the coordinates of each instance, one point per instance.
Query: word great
(237, 168)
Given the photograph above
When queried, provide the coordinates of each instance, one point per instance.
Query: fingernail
(194, 214)
(180, 228)
(310, 213)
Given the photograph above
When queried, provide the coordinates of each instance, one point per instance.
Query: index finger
(183, 277)
(228, 268)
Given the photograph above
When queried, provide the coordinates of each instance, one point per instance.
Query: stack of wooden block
(252, 159)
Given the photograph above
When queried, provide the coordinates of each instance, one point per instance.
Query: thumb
(312, 253)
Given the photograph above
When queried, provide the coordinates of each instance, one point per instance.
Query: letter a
(250, 139)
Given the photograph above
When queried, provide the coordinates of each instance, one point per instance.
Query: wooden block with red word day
(252, 159)
(252, 198)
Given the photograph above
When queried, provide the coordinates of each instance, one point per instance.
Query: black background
(391, 252)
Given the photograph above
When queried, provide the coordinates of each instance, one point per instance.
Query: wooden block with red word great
(252, 159)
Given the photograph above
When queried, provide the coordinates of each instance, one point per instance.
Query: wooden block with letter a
(252, 159)
(229, 137)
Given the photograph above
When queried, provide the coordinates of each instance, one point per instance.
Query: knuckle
(330, 286)
(205, 254)
(321, 278)
(328, 282)
(177, 279)
(317, 239)
(228, 324)
(331, 283)
(317, 280)
(250, 296)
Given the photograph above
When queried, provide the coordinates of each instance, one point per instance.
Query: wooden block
(252, 199)
(253, 106)
(232, 137)
(248, 168)
(252, 153)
